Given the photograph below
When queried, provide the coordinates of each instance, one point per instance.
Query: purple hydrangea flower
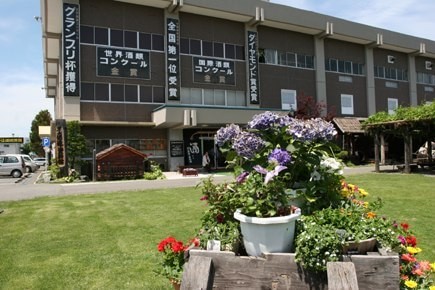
(311, 130)
(226, 134)
(279, 156)
(247, 144)
(268, 120)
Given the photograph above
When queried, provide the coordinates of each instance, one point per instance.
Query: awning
(349, 125)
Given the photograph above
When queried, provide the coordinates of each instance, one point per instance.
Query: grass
(108, 241)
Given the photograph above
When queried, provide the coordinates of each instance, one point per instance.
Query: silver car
(31, 165)
(12, 165)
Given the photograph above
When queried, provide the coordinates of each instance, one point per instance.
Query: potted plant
(173, 258)
(328, 233)
(272, 156)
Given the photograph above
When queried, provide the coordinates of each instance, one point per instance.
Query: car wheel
(16, 174)
(28, 169)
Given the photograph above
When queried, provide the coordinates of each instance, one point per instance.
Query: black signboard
(173, 59)
(177, 148)
(11, 140)
(213, 71)
(115, 62)
(71, 50)
(253, 84)
(193, 153)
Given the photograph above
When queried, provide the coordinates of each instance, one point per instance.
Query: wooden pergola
(405, 129)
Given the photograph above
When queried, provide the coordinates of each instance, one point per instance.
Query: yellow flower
(363, 193)
(413, 250)
(366, 204)
(371, 215)
(432, 288)
(433, 267)
(411, 284)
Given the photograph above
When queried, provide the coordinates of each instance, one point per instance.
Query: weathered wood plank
(279, 271)
(341, 276)
(198, 273)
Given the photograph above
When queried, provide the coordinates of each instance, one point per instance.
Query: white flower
(331, 165)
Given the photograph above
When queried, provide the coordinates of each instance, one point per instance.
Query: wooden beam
(341, 276)
(198, 273)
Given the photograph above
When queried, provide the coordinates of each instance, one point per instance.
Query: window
(195, 46)
(240, 52)
(146, 94)
(346, 104)
(102, 92)
(207, 48)
(158, 94)
(392, 105)
(116, 37)
(144, 41)
(86, 34)
(288, 100)
(218, 49)
(130, 38)
(184, 45)
(117, 93)
(230, 51)
(87, 91)
(211, 97)
(158, 42)
(270, 56)
(131, 93)
(101, 36)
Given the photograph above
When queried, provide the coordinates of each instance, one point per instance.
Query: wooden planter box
(225, 270)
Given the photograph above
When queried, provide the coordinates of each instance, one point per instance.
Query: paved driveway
(27, 188)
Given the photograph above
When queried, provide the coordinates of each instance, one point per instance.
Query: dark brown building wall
(401, 93)
(274, 78)
(380, 58)
(423, 95)
(357, 88)
(211, 29)
(285, 40)
(344, 51)
(119, 15)
(114, 132)
(423, 90)
(90, 111)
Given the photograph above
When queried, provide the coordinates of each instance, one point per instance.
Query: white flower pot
(267, 235)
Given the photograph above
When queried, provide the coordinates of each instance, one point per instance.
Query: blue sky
(21, 71)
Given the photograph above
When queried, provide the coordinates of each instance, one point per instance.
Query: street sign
(46, 142)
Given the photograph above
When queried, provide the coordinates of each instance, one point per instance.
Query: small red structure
(120, 162)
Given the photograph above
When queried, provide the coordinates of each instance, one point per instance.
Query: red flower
(408, 258)
(417, 272)
(411, 240)
(177, 247)
(405, 226)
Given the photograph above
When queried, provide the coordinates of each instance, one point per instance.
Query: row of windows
(212, 48)
(425, 78)
(143, 145)
(273, 56)
(121, 38)
(105, 92)
(196, 96)
(344, 66)
(391, 73)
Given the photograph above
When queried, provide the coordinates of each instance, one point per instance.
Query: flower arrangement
(414, 274)
(323, 235)
(277, 153)
(173, 259)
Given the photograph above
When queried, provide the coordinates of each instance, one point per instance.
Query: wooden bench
(190, 172)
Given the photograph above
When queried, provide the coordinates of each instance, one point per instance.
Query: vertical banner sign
(61, 142)
(71, 50)
(173, 59)
(253, 85)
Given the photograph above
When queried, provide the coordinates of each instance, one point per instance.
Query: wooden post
(198, 273)
(341, 276)
(408, 151)
(377, 151)
(382, 149)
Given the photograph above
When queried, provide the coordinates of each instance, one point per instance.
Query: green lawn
(108, 241)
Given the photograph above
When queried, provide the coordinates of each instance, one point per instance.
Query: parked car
(12, 165)
(31, 166)
(41, 161)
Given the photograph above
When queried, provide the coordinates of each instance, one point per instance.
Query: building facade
(162, 76)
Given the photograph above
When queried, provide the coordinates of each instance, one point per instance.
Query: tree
(43, 118)
(309, 108)
(76, 147)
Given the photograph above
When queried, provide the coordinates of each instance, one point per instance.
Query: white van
(12, 165)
